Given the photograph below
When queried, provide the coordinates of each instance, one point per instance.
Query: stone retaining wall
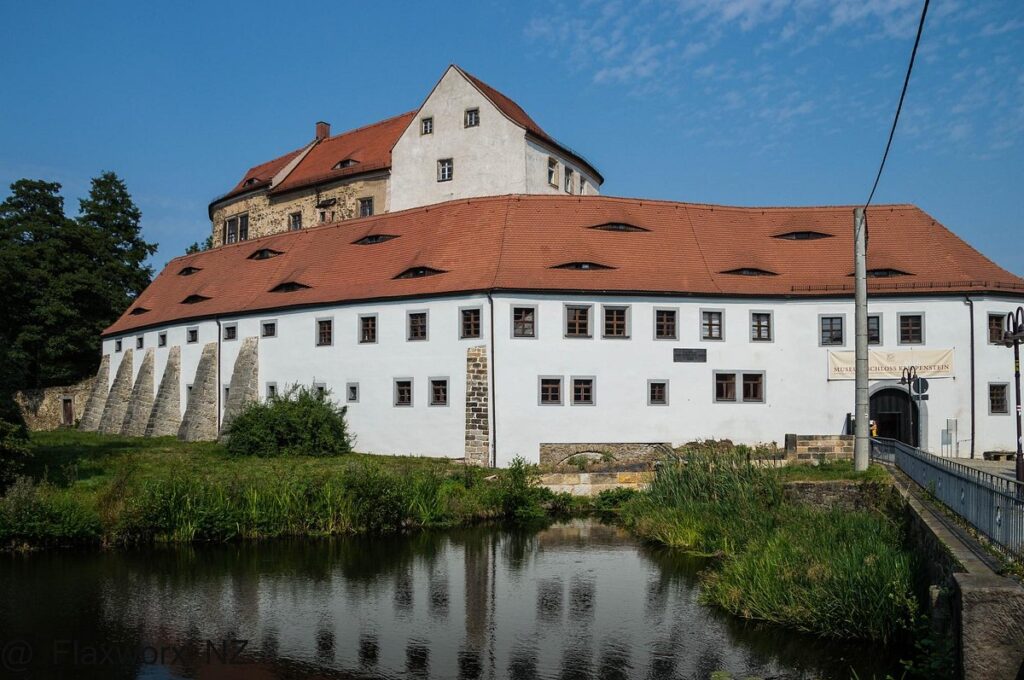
(811, 447)
(593, 483)
(165, 419)
(632, 452)
(117, 399)
(140, 404)
(200, 420)
(97, 399)
(244, 386)
(43, 409)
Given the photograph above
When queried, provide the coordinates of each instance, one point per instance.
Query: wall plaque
(683, 355)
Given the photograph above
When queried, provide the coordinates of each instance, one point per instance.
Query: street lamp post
(908, 378)
(1013, 336)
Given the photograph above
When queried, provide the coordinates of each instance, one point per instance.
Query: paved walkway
(1004, 468)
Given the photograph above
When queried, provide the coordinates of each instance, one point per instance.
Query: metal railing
(992, 504)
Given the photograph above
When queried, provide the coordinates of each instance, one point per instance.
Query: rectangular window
(230, 331)
(403, 392)
(243, 227)
(995, 328)
(231, 230)
(445, 170)
(117, 345)
(352, 392)
(753, 387)
(268, 329)
(761, 326)
(326, 216)
(551, 391)
(417, 326)
(524, 322)
(582, 391)
(665, 324)
(616, 322)
(320, 389)
(711, 325)
(472, 118)
(553, 172)
(439, 391)
(911, 329)
(426, 126)
(832, 330)
(188, 395)
(998, 398)
(140, 342)
(568, 180)
(366, 207)
(368, 329)
(324, 332)
(657, 392)
(470, 326)
(192, 335)
(583, 185)
(874, 330)
(161, 340)
(725, 387)
(295, 221)
(271, 390)
(227, 395)
(577, 321)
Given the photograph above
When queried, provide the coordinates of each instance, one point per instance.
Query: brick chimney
(323, 130)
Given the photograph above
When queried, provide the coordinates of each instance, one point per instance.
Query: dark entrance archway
(890, 409)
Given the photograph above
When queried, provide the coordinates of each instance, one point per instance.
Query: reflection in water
(579, 600)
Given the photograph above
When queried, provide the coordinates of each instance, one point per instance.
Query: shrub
(41, 514)
(299, 422)
(519, 493)
(14, 449)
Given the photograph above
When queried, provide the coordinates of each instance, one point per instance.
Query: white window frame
(292, 221)
(570, 183)
(553, 171)
(471, 118)
(427, 125)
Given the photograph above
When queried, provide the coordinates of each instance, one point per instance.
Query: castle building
(466, 140)
(504, 316)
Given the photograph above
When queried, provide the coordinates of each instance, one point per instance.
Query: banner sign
(882, 365)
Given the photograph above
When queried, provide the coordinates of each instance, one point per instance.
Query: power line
(899, 107)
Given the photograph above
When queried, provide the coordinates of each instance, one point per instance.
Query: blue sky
(745, 102)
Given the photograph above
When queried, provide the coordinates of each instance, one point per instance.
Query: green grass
(840, 574)
(99, 488)
(833, 471)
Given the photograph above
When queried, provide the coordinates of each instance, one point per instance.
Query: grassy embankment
(88, 488)
(835, 573)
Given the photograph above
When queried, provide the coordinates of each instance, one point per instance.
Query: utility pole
(862, 444)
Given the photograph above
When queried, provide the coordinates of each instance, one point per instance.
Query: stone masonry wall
(244, 386)
(141, 403)
(117, 398)
(43, 409)
(811, 447)
(97, 399)
(478, 435)
(165, 418)
(200, 420)
(269, 214)
(552, 454)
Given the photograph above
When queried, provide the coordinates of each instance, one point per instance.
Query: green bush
(41, 514)
(300, 422)
(519, 495)
(14, 445)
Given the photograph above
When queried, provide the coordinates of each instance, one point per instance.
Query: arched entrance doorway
(890, 409)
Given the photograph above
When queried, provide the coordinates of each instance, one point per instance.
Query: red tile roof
(512, 243)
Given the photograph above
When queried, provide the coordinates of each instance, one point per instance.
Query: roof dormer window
(885, 273)
(265, 254)
(749, 271)
(288, 287)
(346, 163)
(138, 310)
(583, 266)
(419, 272)
(618, 226)
(803, 235)
(249, 182)
(189, 271)
(374, 239)
(193, 299)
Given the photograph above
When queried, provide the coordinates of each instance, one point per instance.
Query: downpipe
(494, 395)
(970, 303)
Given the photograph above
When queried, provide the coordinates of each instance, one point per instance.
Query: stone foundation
(244, 387)
(553, 454)
(140, 406)
(43, 409)
(97, 399)
(200, 420)
(165, 418)
(812, 447)
(593, 483)
(117, 399)
(478, 436)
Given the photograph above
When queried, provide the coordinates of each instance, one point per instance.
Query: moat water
(576, 600)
